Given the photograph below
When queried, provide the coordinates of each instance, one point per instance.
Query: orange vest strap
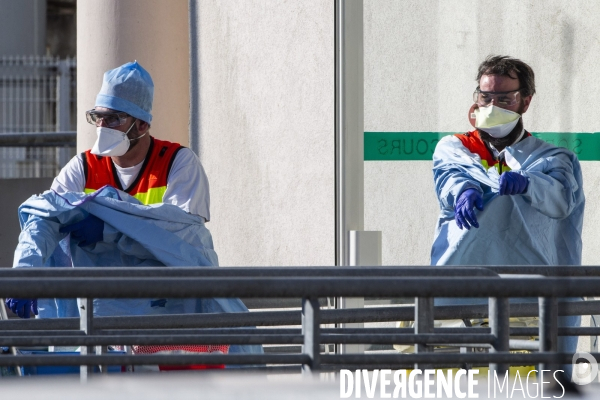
(472, 141)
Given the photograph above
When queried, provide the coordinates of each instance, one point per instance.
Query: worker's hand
(464, 215)
(22, 307)
(513, 183)
(87, 231)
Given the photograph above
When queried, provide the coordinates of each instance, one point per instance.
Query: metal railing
(309, 284)
(37, 96)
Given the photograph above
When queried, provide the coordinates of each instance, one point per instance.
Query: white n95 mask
(496, 121)
(112, 142)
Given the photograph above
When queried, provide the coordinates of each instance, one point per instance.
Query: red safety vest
(151, 183)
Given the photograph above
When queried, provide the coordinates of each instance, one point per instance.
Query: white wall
(421, 59)
(267, 129)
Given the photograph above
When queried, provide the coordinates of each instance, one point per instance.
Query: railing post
(86, 324)
(99, 351)
(63, 96)
(63, 108)
(129, 352)
(423, 324)
(499, 311)
(364, 250)
(311, 331)
(548, 313)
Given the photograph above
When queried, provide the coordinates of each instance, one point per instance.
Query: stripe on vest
(152, 196)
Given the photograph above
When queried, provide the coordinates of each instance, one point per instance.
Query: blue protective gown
(540, 227)
(543, 226)
(134, 235)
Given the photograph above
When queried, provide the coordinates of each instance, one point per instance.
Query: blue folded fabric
(135, 235)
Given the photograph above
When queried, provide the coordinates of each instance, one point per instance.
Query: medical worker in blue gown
(131, 200)
(506, 197)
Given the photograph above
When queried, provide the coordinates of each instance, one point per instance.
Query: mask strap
(137, 138)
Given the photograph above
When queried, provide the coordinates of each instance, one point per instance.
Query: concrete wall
(421, 58)
(153, 32)
(13, 192)
(267, 129)
(22, 27)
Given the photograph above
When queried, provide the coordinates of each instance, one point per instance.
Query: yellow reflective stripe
(152, 196)
(505, 168)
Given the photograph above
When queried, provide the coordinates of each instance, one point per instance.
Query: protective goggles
(501, 99)
(110, 119)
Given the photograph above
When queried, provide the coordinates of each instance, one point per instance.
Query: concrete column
(153, 32)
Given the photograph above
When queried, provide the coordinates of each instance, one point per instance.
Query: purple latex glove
(512, 183)
(87, 231)
(464, 214)
(22, 307)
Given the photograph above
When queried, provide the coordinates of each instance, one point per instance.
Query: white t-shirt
(187, 184)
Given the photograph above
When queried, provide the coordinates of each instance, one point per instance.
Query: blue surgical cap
(128, 88)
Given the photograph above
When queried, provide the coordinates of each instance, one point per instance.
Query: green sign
(414, 146)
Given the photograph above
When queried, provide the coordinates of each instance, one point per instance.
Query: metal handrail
(38, 139)
(313, 271)
(260, 287)
(262, 283)
(238, 272)
(275, 318)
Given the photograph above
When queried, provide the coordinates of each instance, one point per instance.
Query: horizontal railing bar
(557, 271)
(409, 366)
(545, 270)
(579, 331)
(48, 333)
(34, 61)
(244, 359)
(240, 331)
(451, 358)
(299, 287)
(165, 359)
(38, 139)
(274, 318)
(106, 340)
(407, 338)
(514, 331)
(239, 272)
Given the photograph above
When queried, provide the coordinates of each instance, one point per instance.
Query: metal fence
(308, 284)
(37, 95)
